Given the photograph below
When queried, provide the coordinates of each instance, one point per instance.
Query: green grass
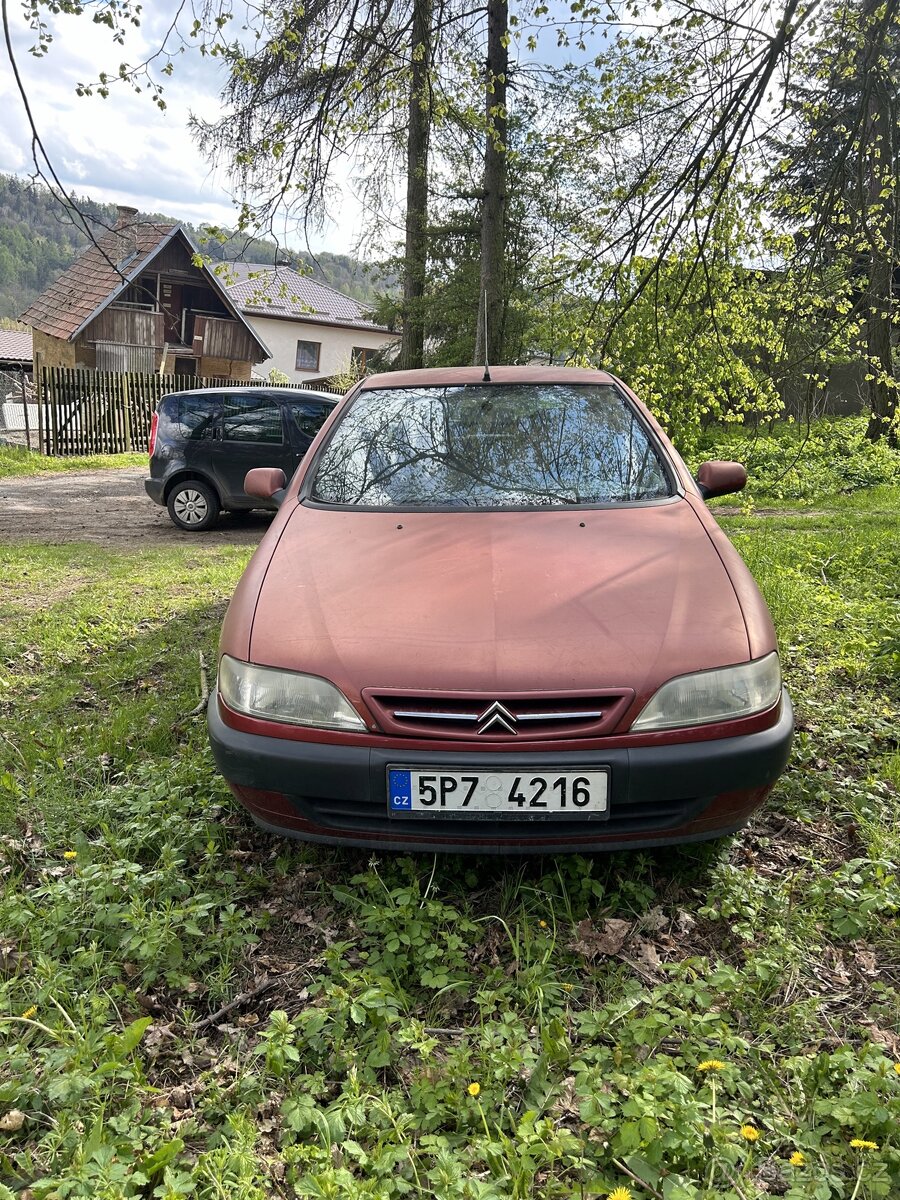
(794, 464)
(18, 461)
(137, 900)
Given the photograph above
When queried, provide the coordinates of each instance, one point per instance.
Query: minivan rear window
(198, 416)
(309, 416)
(250, 418)
(489, 446)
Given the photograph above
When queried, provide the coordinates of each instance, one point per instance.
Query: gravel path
(109, 507)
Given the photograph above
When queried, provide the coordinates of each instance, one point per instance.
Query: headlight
(718, 695)
(286, 696)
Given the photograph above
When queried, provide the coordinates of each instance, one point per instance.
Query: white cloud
(123, 149)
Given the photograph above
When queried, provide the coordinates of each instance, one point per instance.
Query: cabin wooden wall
(128, 326)
(216, 337)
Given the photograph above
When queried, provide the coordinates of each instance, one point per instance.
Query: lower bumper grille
(370, 816)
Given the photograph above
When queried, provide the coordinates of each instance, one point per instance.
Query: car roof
(443, 376)
(251, 389)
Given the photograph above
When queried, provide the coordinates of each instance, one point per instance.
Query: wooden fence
(108, 412)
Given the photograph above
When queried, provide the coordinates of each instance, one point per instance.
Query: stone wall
(224, 368)
(54, 352)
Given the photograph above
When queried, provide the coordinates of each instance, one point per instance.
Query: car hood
(497, 602)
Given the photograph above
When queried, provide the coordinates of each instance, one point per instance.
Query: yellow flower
(797, 1159)
(567, 987)
(473, 1089)
(543, 924)
(70, 854)
(862, 1144)
(711, 1064)
(897, 1068)
(620, 1193)
(749, 1133)
(29, 1013)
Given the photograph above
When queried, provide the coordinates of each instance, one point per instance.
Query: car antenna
(486, 377)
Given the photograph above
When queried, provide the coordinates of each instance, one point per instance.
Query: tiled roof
(67, 303)
(265, 291)
(15, 346)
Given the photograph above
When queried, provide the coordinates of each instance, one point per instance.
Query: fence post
(37, 367)
(52, 415)
(126, 404)
(25, 408)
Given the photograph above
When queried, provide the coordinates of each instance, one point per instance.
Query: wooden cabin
(136, 300)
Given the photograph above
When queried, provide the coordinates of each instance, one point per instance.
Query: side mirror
(720, 478)
(266, 483)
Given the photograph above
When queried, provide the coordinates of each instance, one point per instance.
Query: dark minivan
(203, 443)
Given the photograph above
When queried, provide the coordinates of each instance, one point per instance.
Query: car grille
(518, 717)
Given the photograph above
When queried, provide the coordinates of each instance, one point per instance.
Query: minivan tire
(193, 505)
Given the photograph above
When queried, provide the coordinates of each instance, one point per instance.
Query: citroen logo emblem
(497, 719)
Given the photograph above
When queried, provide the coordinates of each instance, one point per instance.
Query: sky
(123, 149)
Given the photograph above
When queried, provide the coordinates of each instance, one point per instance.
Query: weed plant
(794, 461)
(190, 1007)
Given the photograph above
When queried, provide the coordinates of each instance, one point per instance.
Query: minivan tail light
(154, 425)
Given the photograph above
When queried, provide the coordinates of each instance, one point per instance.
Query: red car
(495, 614)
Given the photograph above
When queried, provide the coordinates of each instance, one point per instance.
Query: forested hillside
(38, 240)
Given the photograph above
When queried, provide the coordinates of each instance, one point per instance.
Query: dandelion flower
(897, 1067)
(620, 1193)
(862, 1144)
(797, 1159)
(29, 1013)
(70, 854)
(749, 1133)
(473, 1089)
(543, 924)
(711, 1064)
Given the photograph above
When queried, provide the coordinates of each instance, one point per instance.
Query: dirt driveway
(109, 507)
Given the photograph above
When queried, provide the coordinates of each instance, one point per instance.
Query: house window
(308, 356)
(363, 358)
(141, 294)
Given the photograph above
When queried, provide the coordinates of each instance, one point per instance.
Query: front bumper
(685, 792)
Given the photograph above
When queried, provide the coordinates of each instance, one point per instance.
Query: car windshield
(489, 446)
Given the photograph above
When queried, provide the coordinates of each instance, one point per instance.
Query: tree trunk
(489, 346)
(880, 351)
(415, 261)
(879, 225)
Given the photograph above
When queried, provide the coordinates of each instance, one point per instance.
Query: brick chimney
(125, 215)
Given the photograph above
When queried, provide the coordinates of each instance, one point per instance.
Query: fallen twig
(204, 688)
(204, 694)
(243, 998)
(265, 983)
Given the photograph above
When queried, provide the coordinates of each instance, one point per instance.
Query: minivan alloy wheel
(191, 506)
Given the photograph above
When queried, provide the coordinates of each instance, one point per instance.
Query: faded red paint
(499, 604)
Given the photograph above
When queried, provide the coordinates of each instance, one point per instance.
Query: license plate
(522, 795)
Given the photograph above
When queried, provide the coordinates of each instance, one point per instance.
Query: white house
(312, 331)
